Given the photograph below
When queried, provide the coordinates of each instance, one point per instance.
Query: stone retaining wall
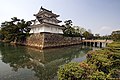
(57, 40)
(48, 40)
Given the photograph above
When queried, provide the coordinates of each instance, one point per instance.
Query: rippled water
(23, 63)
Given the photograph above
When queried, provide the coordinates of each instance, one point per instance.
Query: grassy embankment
(100, 65)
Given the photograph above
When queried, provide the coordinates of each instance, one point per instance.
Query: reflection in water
(28, 63)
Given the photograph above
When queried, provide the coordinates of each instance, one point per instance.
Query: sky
(100, 16)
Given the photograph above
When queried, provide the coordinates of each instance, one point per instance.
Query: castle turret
(46, 21)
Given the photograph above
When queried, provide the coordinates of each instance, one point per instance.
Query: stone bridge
(96, 43)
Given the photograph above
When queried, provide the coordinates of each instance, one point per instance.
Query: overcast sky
(101, 16)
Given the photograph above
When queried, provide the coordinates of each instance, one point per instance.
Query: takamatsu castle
(46, 21)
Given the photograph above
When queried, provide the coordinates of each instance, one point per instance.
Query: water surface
(23, 63)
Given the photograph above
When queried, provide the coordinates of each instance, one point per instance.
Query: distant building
(46, 21)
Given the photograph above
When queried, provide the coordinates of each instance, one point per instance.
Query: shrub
(74, 71)
(100, 65)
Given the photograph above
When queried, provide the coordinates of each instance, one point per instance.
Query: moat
(23, 63)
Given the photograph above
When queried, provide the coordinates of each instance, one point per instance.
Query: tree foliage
(14, 30)
(72, 31)
(76, 31)
(88, 35)
(116, 35)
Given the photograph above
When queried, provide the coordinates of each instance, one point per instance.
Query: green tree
(79, 29)
(15, 29)
(88, 35)
(97, 36)
(72, 31)
(116, 35)
(68, 31)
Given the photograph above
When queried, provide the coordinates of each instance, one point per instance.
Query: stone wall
(48, 40)
(36, 40)
(57, 40)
